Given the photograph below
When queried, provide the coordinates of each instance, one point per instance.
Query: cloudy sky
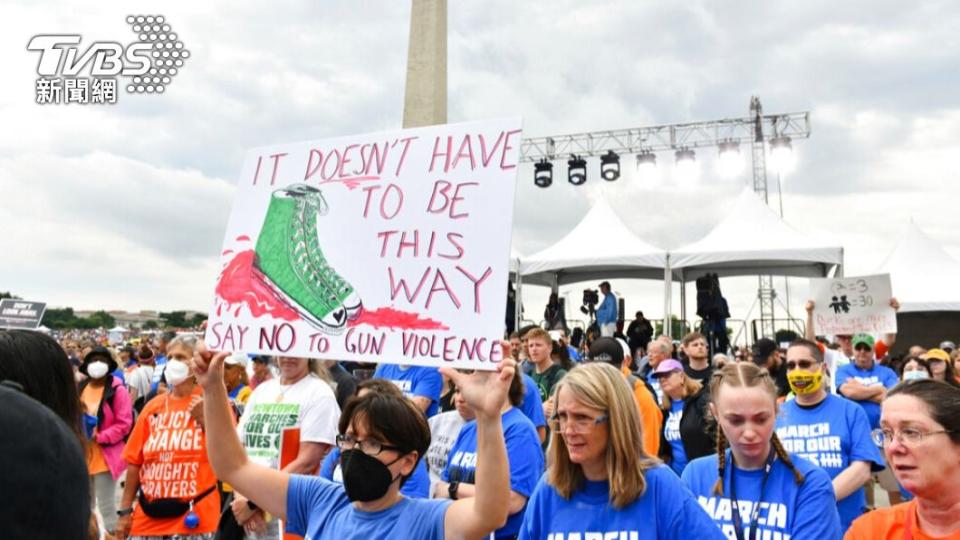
(124, 206)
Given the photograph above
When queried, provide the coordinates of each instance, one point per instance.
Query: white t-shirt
(141, 379)
(834, 360)
(444, 429)
(308, 404)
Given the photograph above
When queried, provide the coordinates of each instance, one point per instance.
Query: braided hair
(745, 375)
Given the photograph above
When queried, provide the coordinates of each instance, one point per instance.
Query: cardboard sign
(21, 314)
(853, 305)
(390, 247)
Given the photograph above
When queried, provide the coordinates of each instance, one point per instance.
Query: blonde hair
(690, 388)
(603, 387)
(745, 375)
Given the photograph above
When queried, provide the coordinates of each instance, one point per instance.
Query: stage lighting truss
(543, 173)
(576, 170)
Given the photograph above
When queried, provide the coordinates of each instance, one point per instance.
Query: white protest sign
(853, 305)
(388, 247)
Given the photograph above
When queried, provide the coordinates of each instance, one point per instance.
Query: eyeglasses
(370, 447)
(802, 364)
(579, 423)
(907, 436)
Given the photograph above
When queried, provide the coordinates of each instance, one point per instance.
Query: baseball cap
(101, 353)
(763, 348)
(948, 346)
(237, 359)
(607, 350)
(936, 354)
(43, 466)
(667, 366)
(862, 339)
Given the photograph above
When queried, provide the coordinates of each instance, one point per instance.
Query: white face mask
(914, 375)
(96, 370)
(176, 372)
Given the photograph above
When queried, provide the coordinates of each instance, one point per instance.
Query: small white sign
(853, 305)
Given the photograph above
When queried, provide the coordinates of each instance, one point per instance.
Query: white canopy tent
(923, 276)
(600, 247)
(754, 240)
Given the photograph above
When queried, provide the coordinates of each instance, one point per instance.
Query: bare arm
(851, 479)
(465, 491)
(422, 403)
(854, 390)
(266, 487)
(309, 457)
(890, 339)
(809, 333)
(542, 433)
(488, 510)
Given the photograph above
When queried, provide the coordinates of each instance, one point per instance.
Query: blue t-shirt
(532, 407)
(804, 512)
(318, 509)
(417, 486)
(414, 381)
(574, 353)
(665, 511)
(876, 375)
(671, 431)
(831, 435)
(523, 453)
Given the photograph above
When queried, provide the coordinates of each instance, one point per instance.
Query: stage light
(730, 162)
(782, 159)
(610, 166)
(543, 173)
(647, 167)
(687, 170)
(576, 170)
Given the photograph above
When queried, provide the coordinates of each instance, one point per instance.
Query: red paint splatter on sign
(392, 318)
(243, 238)
(242, 284)
(353, 182)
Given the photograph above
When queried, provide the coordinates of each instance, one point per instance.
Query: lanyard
(735, 503)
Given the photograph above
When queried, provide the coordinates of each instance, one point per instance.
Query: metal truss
(666, 137)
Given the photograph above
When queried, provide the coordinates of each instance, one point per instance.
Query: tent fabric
(753, 240)
(923, 276)
(601, 246)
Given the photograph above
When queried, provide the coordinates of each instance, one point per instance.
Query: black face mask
(365, 478)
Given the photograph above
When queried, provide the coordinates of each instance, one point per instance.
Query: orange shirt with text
(170, 448)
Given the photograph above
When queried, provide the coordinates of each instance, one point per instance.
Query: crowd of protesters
(596, 434)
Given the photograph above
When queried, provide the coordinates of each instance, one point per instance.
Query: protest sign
(853, 305)
(21, 314)
(390, 247)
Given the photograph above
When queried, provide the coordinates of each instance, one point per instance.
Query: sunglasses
(801, 364)
(863, 347)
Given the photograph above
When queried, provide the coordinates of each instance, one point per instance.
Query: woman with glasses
(752, 487)
(600, 482)
(828, 430)
(459, 479)
(384, 438)
(687, 433)
(920, 434)
(417, 485)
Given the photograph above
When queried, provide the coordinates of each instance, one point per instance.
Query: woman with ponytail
(777, 495)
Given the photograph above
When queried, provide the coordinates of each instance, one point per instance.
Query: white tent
(753, 240)
(601, 246)
(923, 276)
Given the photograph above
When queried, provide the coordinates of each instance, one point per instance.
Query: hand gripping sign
(388, 247)
(853, 305)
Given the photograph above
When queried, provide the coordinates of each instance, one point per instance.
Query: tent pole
(667, 293)
(517, 316)
(683, 297)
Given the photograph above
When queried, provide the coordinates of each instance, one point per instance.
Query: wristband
(124, 512)
(452, 489)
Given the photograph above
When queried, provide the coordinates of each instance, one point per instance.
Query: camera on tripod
(591, 297)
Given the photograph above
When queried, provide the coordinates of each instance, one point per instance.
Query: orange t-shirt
(890, 524)
(91, 398)
(170, 448)
(651, 417)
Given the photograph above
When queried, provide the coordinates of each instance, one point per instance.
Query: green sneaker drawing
(290, 257)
